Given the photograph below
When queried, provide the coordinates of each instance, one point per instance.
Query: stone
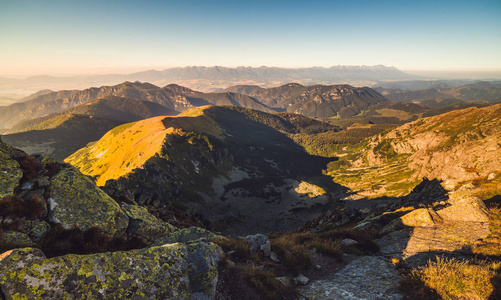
(365, 210)
(394, 243)
(230, 263)
(10, 239)
(284, 281)
(418, 217)
(491, 176)
(42, 182)
(274, 257)
(191, 234)
(10, 171)
(301, 279)
(266, 248)
(348, 242)
(71, 191)
(465, 208)
(38, 230)
(144, 225)
(255, 241)
(28, 185)
(367, 277)
(172, 271)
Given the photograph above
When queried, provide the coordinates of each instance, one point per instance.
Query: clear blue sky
(50, 37)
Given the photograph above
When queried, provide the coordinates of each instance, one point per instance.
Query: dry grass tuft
(30, 167)
(491, 245)
(265, 283)
(15, 206)
(60, 241)
(453, 279)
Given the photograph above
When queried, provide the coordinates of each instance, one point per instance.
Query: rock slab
(367, 277)
(172, 271)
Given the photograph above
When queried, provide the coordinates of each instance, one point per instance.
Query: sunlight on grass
(455, 279)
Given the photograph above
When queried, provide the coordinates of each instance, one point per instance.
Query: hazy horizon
(431, 73)
(93, 37)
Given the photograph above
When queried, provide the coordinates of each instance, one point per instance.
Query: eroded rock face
(171, 271)
(76, 201)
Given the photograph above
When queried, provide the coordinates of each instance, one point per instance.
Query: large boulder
(172, 271)
(76, 201)
(144, 225)
(192, 234)
(465, 208)
(10, 172)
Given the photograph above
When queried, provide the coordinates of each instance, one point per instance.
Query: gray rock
(10, 172)
(266, 248)
(10, 239)
(284, 280)
(348, 242)
(144, 225)
(28, 185)
(38, 230)
(255, 241)
(191, 234)
(367, 277)
(173, 271)
(274, 257)
(42, 182)
(394, 243)
(71, 191)
(301, 279)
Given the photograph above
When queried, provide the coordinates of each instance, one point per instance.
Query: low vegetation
(454, 279)
(294, 251)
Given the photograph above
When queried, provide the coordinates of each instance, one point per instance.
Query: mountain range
(350, 211)
(211, 78)
(316, 101)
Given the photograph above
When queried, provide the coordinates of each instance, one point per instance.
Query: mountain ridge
(199, 77)
(318, 100)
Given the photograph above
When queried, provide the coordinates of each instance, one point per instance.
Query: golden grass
(491, 245)
(455, 279)
(118, 153)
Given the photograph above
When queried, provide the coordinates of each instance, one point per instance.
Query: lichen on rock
(191, 234)
(76, 201)
(172, 271)
(10, 171)
(10, 239)
(144, 225)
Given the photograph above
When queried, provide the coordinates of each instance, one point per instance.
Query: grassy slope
(121, 150)
(114, 108)
(389, 165)
(61, 135)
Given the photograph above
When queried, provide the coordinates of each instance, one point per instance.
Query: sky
(91, 37)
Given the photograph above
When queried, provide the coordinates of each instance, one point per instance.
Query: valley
(260, 186)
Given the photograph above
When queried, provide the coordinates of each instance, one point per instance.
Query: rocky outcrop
(144, 225)
(367, 277)
(51, 203)
(10, 172)
(189, 235)
(71, 191)
(456, 146)
(171, 271)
